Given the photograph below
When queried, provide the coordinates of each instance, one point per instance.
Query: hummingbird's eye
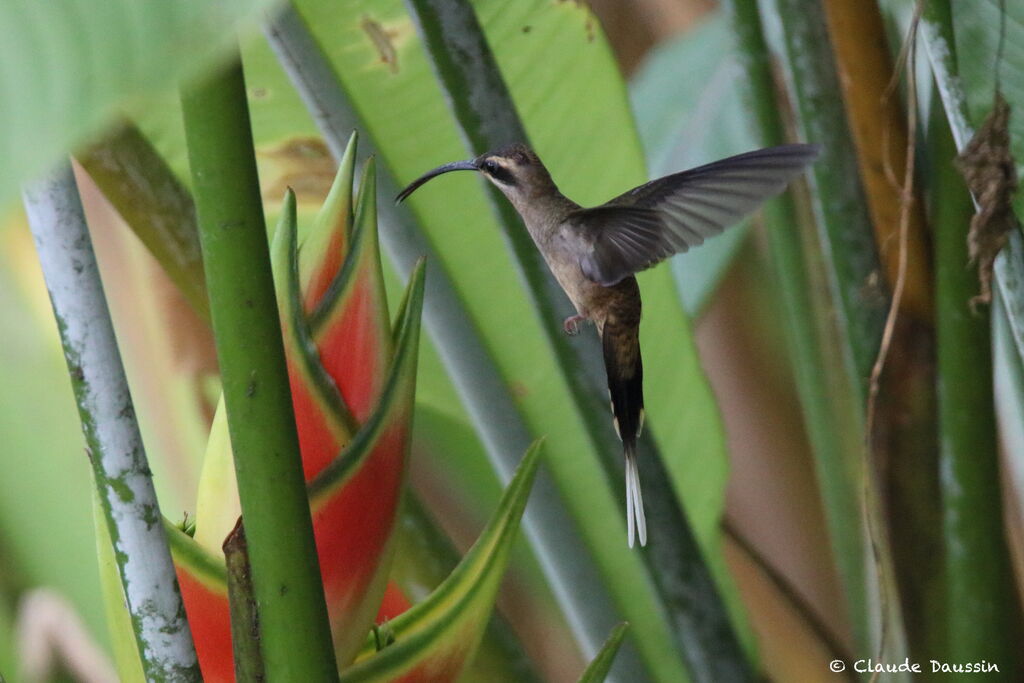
(498, 173)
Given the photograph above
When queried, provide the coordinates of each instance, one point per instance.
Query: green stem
(836, 447)
(488, 120)
(114, 444)
(295, 636)
(858, 295)
(978, 572)
(982, 621)
(158, 208)
(845, 230)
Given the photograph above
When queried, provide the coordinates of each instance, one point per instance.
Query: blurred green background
(761, 426)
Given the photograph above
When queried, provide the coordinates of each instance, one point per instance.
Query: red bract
(211, 626)
(392, 604)
(353, 381)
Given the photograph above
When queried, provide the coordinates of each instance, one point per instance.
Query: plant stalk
(836, 447)
(982, 618)
(295, 636)
(115, 448)
(846, 235)
(902, 412)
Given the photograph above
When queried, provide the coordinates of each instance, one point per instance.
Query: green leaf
(846, 235)
(436, 638)
(321, 253)
(598, 668)
(977, 565)
(69, 65)
(424, 557)
(687, 105)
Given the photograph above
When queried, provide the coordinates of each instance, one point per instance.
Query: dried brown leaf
(988, 168)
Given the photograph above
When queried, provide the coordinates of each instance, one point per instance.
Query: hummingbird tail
(635, 517)
(623, 364)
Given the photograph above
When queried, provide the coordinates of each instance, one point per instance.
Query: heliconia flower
(353, 381)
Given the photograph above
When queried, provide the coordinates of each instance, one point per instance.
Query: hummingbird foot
(572, 324)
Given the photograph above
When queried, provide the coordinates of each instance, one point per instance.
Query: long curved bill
(454, 166)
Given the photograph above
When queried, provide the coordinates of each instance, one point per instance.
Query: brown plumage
(593, 253)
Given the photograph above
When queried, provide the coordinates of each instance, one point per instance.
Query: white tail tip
(636, 521)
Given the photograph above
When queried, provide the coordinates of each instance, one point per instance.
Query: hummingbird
(595, 252)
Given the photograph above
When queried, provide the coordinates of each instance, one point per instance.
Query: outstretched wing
(667, 216)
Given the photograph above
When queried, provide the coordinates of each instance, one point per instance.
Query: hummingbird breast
(620, 302)
(544, 221)
(592, 300)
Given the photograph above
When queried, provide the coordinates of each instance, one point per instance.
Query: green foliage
(688, 111)
(564, 81)
(598, 668)
(94, 58)
(979, 577)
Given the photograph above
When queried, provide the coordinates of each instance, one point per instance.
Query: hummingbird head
(515, 170)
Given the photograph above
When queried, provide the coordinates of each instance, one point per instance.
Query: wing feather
(673, 214)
